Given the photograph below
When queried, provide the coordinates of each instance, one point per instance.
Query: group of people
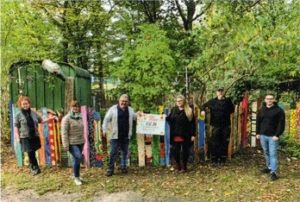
(270, 125)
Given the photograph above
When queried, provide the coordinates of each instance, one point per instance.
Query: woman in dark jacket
(26, 127)
(182, 126)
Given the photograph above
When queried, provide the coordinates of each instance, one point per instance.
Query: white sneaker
(77, 181)
(73, 177)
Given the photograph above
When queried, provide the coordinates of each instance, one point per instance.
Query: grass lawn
(240, 180)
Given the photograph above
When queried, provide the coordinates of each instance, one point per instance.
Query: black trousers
(32, 160)
(218, 144)
(185, 148)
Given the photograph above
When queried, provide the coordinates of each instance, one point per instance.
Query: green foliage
(256, 46)
(290, 146)
(147, 68)
(25, 35)
(144, 46)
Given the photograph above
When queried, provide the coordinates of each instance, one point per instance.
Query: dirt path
(12, 195)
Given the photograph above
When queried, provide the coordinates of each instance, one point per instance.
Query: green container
(47, 89)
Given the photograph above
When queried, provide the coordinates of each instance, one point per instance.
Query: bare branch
(203, 12)
(180, 11)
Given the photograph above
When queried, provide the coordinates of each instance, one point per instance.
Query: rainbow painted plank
(86, 146)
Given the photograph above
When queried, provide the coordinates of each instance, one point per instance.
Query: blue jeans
(115, 145)
(270, 151)
(76, 151)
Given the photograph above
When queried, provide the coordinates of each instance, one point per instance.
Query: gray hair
(124, 96)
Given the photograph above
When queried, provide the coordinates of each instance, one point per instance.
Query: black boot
(265, 171)
(214, 162)
(34, 169)
(274, 176)
(109, 173)
(178, 167)
(124, 170)
(222, 161)
(184, 169)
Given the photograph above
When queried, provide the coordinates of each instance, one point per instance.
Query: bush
(290, 146)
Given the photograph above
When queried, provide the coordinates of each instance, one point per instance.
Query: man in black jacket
(220, 110)
(270, 124)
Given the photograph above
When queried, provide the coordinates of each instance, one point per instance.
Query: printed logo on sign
(151, 124)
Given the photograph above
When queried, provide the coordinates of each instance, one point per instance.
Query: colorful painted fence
(293, 127)
(147, 150)
(51, 152)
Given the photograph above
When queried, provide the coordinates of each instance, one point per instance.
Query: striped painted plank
(253, 124)
(56, 147)
(51, 127)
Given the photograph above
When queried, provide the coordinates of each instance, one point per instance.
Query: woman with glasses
(182, 126)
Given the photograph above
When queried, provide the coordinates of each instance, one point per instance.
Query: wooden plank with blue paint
(46, 137)
(167, 140)
(201, 139)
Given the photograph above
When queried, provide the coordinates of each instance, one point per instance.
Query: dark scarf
(30, 122)
(123, 123)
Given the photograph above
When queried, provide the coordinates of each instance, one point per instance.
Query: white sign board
(151, 124)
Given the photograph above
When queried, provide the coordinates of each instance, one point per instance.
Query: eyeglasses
(124, 100)
(179, 100)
